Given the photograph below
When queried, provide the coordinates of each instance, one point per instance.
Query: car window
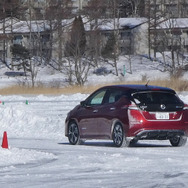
(114, 96)
(156, 98)
(97, 98)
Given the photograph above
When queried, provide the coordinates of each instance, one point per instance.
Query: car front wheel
(178, 141)
(118, 136)
(73, 133)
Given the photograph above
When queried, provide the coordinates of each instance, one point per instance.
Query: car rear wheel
(178, 141)
(73, 133)
(118, 136)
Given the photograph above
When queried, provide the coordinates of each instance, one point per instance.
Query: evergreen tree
(77, 44)
(20, 51)
(23, 55)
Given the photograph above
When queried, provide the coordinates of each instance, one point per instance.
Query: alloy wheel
(74, 136)
(118, 135)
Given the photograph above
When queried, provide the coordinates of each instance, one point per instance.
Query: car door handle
(95, 111)
(113, 108)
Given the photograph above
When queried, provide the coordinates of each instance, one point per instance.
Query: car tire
(178, 141)
(73, 133)
(118, 136)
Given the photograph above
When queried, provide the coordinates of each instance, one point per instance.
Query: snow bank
(184, 97)
(15, 156)
(43, 117)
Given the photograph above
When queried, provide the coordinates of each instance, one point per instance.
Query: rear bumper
(158, 134)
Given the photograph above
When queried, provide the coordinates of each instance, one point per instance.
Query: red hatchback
(128, 113)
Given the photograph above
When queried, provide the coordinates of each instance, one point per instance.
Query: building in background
(50, 29)
(167, 8)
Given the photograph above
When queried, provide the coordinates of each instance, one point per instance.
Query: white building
(80, 4)
(133, 35)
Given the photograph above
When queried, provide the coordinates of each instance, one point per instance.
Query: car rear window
(153, 101)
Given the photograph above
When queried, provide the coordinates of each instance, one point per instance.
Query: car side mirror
(82, 103)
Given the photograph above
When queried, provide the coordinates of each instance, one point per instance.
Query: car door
(112, 109)
(89, 113)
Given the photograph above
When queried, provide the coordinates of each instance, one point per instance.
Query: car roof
(137, 88)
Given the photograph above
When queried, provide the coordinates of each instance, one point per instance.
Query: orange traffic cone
(5, 141)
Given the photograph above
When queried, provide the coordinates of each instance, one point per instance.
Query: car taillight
(135, 115)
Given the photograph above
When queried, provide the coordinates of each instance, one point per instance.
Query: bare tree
(112, 45)
(174, 42)
(78, 65)
(56, 11)
(7, 9)
(94, 43)
(97, 12)
(162, 33)
(27, 52)
(129, 8)
(116, 34)
(98, 9)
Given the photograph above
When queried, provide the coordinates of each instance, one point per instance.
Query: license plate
(162, 115)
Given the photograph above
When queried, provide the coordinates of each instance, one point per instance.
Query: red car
(128, 113)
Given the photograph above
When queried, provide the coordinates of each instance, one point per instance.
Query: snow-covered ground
(39, 154)
(141, 68)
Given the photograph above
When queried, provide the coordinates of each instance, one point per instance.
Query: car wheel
(118, 136)
(73, 133)
(178, 141)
